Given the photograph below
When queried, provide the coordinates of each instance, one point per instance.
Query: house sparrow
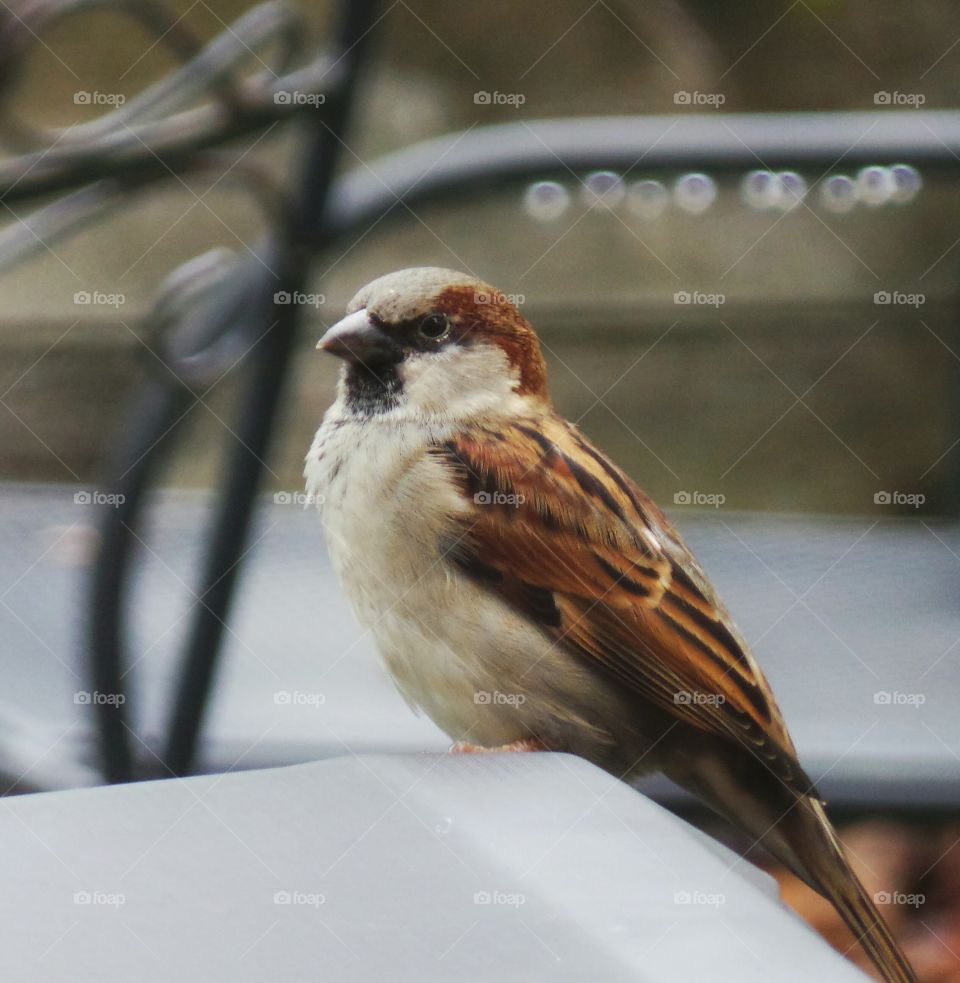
(523, 591)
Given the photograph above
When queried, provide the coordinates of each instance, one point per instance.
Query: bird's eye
(434, 327)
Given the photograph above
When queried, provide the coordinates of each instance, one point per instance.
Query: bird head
(434, 340)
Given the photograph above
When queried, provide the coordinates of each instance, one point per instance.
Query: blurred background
(598, 284)
(772, 353)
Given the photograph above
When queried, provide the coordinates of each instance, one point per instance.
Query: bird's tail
(824, 866)
(795, 829)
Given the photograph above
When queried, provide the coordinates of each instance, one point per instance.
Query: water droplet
(906, 183)
(792, 188)
(764, 190)
(603, 188)
(760, 189)
(546, 200)
(694, 193)
(647, 199)
(838, 194)
(443, 826)
(875, 185)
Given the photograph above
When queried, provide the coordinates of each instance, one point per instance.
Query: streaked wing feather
(565, 536)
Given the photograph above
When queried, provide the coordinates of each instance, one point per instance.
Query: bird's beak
(357, 339)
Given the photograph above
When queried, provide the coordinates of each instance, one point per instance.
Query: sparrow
(525, 594)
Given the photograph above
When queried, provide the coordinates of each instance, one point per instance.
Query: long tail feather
(795, 829)
(829, 873)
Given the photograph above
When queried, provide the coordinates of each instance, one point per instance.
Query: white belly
(483, 673)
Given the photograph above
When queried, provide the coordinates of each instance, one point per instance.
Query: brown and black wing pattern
(563, 535)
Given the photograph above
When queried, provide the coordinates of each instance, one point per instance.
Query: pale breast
(386, 503)
(482, 672)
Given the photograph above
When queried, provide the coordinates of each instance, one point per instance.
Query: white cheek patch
(460, 382)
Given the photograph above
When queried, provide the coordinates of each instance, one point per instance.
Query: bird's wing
(563, 535)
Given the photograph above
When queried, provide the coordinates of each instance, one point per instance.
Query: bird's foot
(527, 744)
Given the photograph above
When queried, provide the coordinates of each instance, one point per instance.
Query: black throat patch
(373, 389)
